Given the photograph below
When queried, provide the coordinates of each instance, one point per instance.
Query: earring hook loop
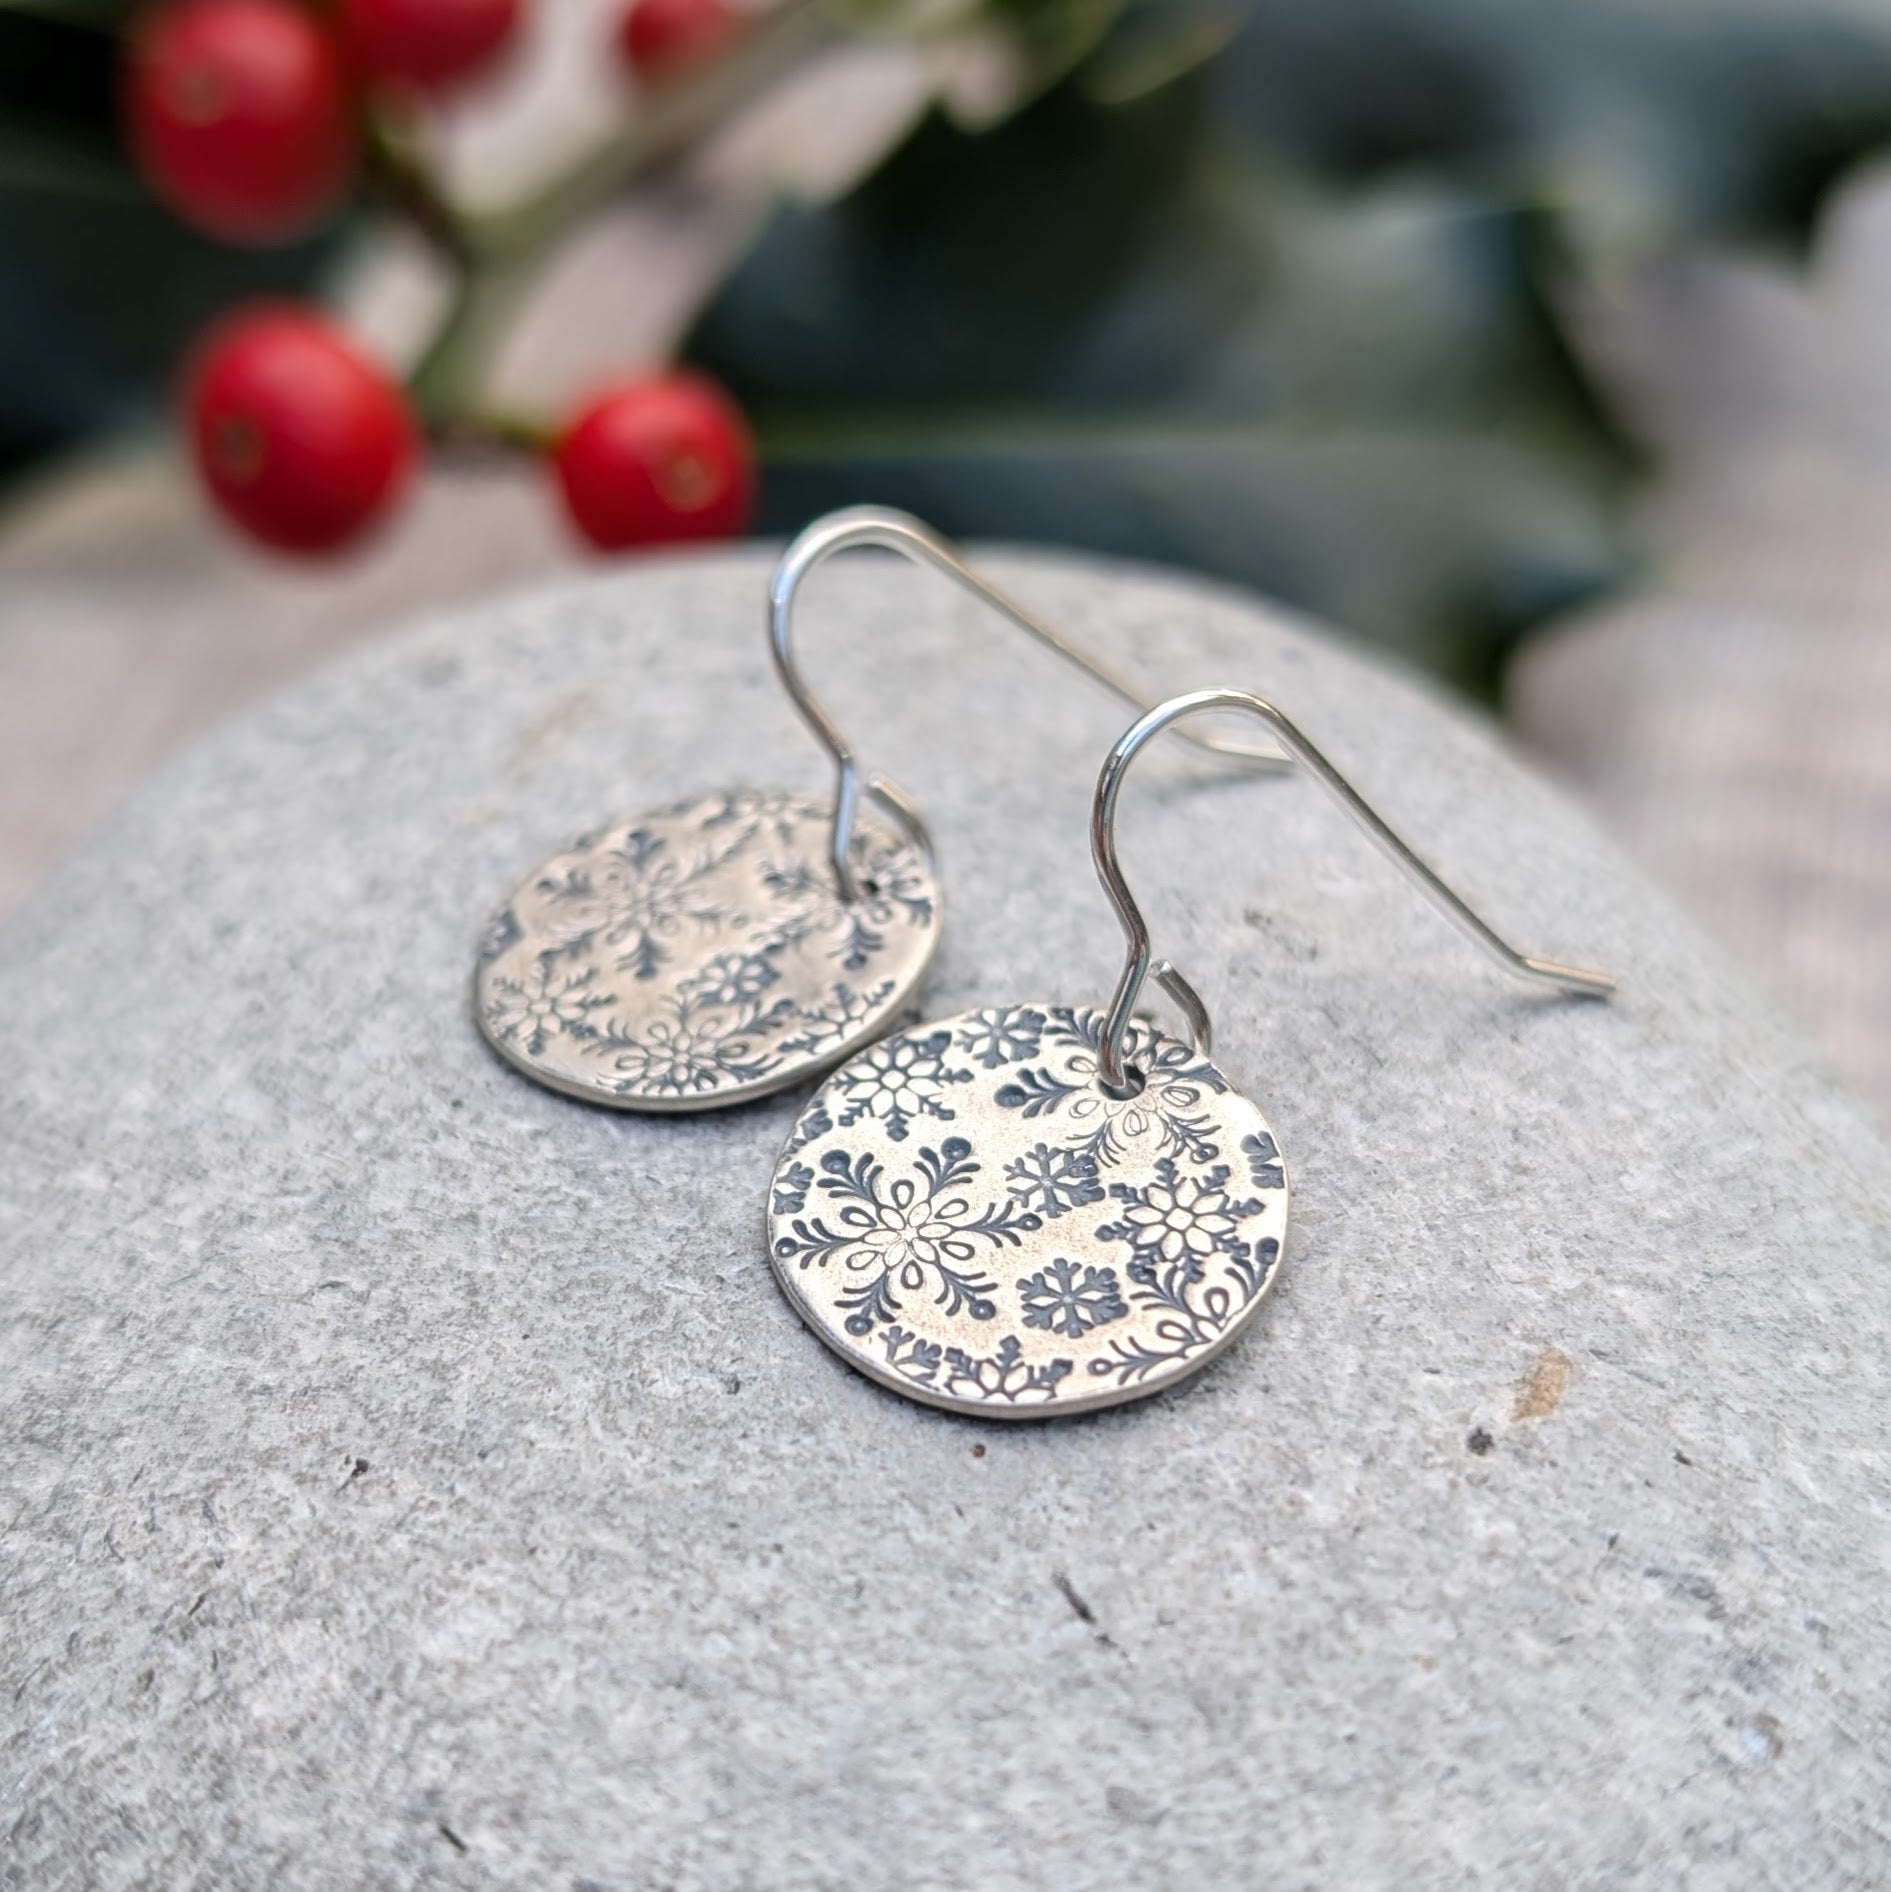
(896, 531)
(1139, 963)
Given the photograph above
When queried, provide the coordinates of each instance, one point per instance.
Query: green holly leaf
(1635, 126)
(98, 15)
(1115, 327)
(50, 156)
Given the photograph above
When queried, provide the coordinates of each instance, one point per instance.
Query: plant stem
(400, 177)
(494, 255)
(671, 117)
(486, 427)
(436, 379)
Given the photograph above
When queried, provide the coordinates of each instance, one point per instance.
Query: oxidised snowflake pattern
(1178, 1220)
(898, 1081)
(1000, 1034)
(903, 1235)
(1051, 1181)
(1142, 1232)
(1167, 1113)
(1071, 1300)
(551, 1001)
(703, 954)
(1002, 1374)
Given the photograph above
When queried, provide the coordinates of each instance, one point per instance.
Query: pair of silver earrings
(1032, 1208)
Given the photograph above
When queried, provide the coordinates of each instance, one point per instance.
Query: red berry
(656, 462)
(659, 38)
(299, 438)
(426, 44)
(240, 115)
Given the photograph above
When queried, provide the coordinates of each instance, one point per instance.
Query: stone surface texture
(411, 1477)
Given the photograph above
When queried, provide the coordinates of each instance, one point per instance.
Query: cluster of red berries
(245, 117)
(304, 443)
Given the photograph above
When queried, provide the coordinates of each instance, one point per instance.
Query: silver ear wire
(1138, 964)
(901, 532)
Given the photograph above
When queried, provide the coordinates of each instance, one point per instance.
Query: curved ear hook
(901, 532)
(1138, 965)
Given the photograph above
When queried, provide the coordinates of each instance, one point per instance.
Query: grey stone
(413, 1477)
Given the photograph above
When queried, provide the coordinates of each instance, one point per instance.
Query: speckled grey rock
(411, 1477)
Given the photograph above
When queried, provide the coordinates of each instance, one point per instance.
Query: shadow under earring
(725, 947)
(1044, 1208)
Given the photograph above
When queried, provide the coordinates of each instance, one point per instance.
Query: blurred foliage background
(1279, 292)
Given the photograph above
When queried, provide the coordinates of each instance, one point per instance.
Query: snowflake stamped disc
(703, 954)
(968, 1217)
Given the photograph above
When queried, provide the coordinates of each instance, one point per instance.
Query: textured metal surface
(701, 954)
(968, 1217)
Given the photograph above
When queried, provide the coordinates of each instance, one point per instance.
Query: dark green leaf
(1440, 544)
(1054, 36)
(41, 155)
(1115, 328)
(97, 15)
(103, 289)
(1635, 124)
(92, 328)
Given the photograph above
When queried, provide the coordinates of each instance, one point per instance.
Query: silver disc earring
(725, 947)
(1044, 1208)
